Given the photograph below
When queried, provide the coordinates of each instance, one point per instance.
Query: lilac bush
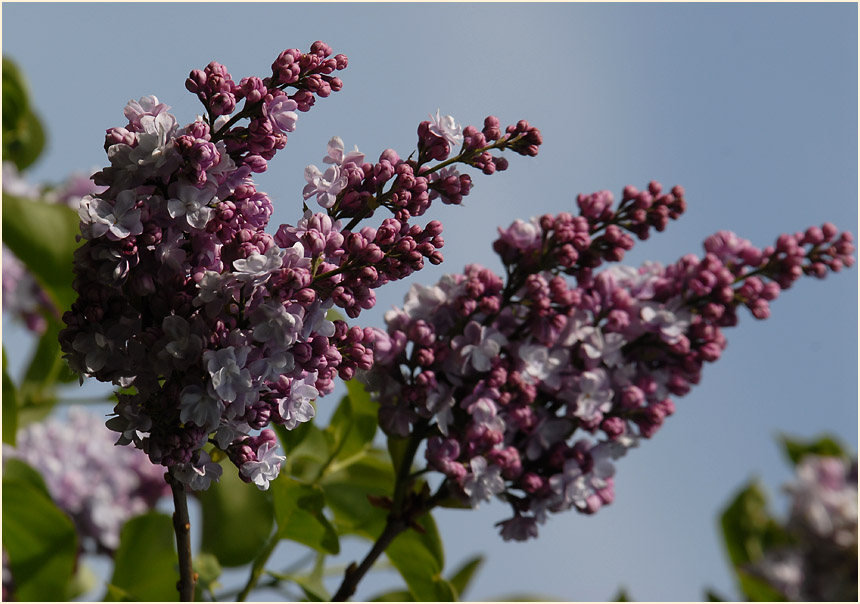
(214, 328)
(525, 386)
(99, 485)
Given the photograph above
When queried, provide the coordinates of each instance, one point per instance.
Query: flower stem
(258, 567)
(398, 520)
(393, 527)
(182, 528)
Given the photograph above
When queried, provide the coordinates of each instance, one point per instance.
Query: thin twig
(182, 528)
(354, 574)
(258, 566)
(398, 520)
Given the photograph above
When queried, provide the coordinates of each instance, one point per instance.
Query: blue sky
(751, 107)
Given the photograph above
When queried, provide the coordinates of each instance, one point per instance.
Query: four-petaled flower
(117, 221)
(483, 482)
(479, 345)
(226, 366)
(325, 185)
(282, 113)
(335, 154)
(445, 127)
(193, 203)
(266, 468)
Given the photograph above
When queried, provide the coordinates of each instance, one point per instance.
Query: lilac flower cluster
(528, 387)
(213, 327)
(95, 483)
(23, 297)
(822, 564)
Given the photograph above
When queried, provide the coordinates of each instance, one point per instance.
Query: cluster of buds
(212, 327)
(528, 387)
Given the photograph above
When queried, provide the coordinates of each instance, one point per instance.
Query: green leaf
(825, 446)
(47, 365)
(622, 596)
(525, 597)
(23, 135)
(39, 539)
(37, 394)
(83, 582)
(312, 586)
(346, 493)
(208, 571)
(397, 450)
(454, 503)
(758, 590)
(145, 564)
(15, 469)
(394, 596)
(461, 577)
(290, 439)
(10, 406)
(419, 559)
(307, 451)
(298, 512)
(748, 532)
(15, 98)
(712, 596)
(26, 143)
(237, 519)
(117, 594)
(353, 424)
(42, 235)
(360, 399)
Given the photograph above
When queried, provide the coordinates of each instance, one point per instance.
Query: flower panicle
(534, 384)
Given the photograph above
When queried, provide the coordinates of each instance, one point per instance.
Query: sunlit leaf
(525, 597)
(312, 587)
(84, 581)
(39, 539)
(117, 594)
(346, 493)
(290, 439)
(145, 564)
(10, 406)
(298, 512)
(15, 469)
(462, 577)
(237, 519)
(23, 135)
(42, 235)
(748, 532)
(307, 453)
(797, 449)
(15, 97)
(393, 596)
(208, 571)
(37, 394)
(757, 589)
(47, 366)
(25, 143)
(397, 450)
(419, 559)
(353, 424)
